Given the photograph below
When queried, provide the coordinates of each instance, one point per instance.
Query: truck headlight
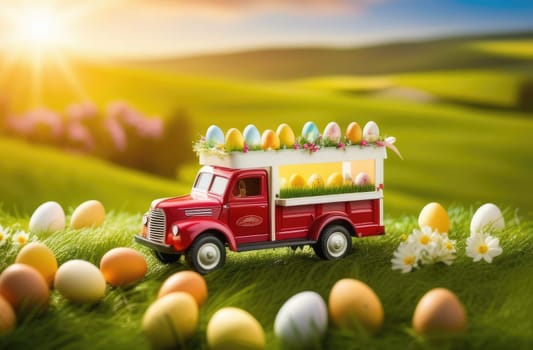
(175, 230)
(145, 219)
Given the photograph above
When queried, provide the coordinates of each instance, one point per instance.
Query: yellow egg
(269, 140)
(315, 181)
(235, 329)
(335, 180)
(186, 281)
(41, 258)
(353, 304)
(80, 282)
(435, 216)
(24, 288)
(8, 320)
(170, 320)
(354, 133)
(439, 312)
(234, 140)
(88, 214)
(296, 181)
(123, 266)
(285, 135)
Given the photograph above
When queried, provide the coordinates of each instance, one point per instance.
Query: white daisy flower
(446, 253)
(423, 238)
(483, 246)
(4, 236)
(405, 258)
(20, 238)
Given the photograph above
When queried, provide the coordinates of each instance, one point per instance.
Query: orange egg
(354, 133)
(269, 140)
(8, 319)
(24, 288)
(123, 266)
(186, 281)
(439, 311)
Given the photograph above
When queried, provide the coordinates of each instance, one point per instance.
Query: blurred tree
(525, 96)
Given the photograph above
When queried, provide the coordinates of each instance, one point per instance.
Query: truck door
(248, 209)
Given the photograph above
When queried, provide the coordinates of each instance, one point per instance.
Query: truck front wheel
(206, 254)
(335, 242)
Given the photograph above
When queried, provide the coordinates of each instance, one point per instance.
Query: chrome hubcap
(208, 256)
(336, 244)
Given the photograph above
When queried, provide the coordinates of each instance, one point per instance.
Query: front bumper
(163, 248)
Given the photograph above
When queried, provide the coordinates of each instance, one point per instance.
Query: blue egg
(252, 137)
(214, 136)
(310, 132)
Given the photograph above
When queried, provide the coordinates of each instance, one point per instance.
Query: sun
(40, 28)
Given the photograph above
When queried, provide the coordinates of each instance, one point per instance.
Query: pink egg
(362, 179)
(332, 132)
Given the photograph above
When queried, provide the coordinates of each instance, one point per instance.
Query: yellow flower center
(21, 240)
(424, 240)
(482, 249)
(409, 260)
(449, 245)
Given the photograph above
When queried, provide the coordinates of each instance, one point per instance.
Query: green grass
(497, 296)
(520, 48)
(321, 191)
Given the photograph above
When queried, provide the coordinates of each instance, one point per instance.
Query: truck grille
(156, 226)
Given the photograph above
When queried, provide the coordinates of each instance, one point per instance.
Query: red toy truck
(235, 202)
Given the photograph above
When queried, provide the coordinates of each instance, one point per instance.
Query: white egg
(371, 132)
(48, 217)
(302, 321)
(486, 219)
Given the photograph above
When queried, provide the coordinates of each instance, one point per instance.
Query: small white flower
(405, 258)
(424, 238)
(4, 236)
(483, 246)
(20, 238)
(446, 252)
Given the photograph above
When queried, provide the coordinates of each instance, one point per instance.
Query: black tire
(206, 254)
(166, 257)
(334, 243)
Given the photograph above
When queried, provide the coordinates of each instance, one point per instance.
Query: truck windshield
(203, 181)
(219, 185)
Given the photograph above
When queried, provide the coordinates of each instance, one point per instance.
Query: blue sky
(182, 27)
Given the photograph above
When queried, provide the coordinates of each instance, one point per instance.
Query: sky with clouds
(181, 27)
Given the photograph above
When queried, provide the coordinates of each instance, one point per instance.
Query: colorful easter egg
(335, 180)
(297, 181)
(354, 133)
(214, 136)
(362, 179)
(234, 140)
(315, 181)
(332, 132)
(252, 137)
(269, 140)
(371, 132)
(286, 136)
(310, 132)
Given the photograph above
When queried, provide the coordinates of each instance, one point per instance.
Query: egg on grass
(88, 214)
(310, 132)
(48, 217)
(24, 288)
(123, 266)
(335, 180)
(362, 179)
(315, 181)
(8, 319)
(434, 215)
(332, 133)
(252, 137)
(41, 258)
(80, 282)
(234, 328)
(487, 218)
(186, 281)
(297, 181)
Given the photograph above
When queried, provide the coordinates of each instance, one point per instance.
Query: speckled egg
(487, 218)
(286, 136)
(362, 179)
(214, 136)
(123, 266)
(439, 312)
(24, 288)
(353, 304)
(302, 321)
(252, 137)
(186, 281)
(80, 282)
(332, 132)
(8, 320)
(88, 214)
(434, 216)
(41, 258)
(310, 132)
(236, 329)
(170, 320)
(48, 217)
(371, 132)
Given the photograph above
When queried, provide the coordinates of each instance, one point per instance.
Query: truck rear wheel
(206, 254)
(335, 242)
(166, 257)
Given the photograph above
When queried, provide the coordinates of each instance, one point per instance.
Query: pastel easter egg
(234, 140)
(439, 312)
(310, 132)
(186, 281)
(332, 132)
(236, 329)
(286, 136)
(80, 282)
(269, 140)
(88, 214)
(123, 266)
(315, 181)
(335, 180)
(354, 133)
(252, 137)
(302, 321)
(487, 218)
(434, 215)
(24, 288)
(41, 258)
(371, 132)
(214, 136)
(170, 320)
(362, 179)
(297, 181)
(48, 217)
